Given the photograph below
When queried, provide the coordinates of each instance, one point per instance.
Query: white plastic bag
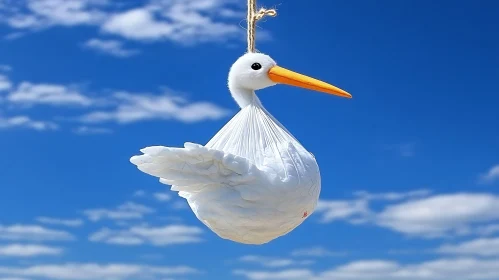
(253, 181)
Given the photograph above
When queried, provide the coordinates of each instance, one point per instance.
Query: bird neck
(244, 97)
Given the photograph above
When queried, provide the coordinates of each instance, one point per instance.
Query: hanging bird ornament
(253, 181)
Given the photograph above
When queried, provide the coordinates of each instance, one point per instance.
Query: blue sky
(410, 166)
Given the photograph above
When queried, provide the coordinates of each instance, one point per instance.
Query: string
(253, 17)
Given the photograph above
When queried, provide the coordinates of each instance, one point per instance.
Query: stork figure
(253, 181)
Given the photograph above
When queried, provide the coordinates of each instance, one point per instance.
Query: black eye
(256, 66)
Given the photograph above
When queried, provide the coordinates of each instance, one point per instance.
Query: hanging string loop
(253, 17)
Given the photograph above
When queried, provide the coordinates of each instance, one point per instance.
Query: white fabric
(252, 182)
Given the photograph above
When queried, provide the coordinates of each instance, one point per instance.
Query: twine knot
(253, 17)
(265, 12)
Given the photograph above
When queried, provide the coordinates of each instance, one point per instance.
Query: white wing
(195, 168)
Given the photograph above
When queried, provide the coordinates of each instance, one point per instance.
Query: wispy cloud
(111, 47)
(33, 233)
(392, 196)
(488, 229)
(120, 107)
(185, 22)
(492, 175)
(28, 250)
(126, 211)
(62, 222)
(139, 193)
(418, 213)
(157, 236)
(50, 94)
(5, 83)
(486, 247)
(86, 130)
(26, 122)
(288, 274)
(315, 252)
(180, 205)
(439, 269)
(162, 196)
(138, 24)
(39, 14)
(140, 107)
(181, 21)
(94, 271)
(273, 261)
(13, 278)
(351, 210)
(14, 35)
(441, 214)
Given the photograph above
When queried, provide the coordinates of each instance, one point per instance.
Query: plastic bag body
(276, 189)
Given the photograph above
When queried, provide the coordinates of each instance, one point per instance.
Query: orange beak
(284, 76)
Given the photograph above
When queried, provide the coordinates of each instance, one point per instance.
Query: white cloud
(14, 35)
(437, 269)
(440, 269)
(23, 250)
(440, 214)
(86, 130)
(140, 107)
(117, 237)
(63, 222)
(93, 271)
(111, 47)
(46, 13)
(272, 262)
(314, 252)
(120, 107)
(231, 13)
(24, 21)
(492, 175)
(64, 12)
(185, 22)
(162, 196)
(157, 236)
(139, 193)
(138, 24)
(5, 83)
(181, 21)
(126, 211)
(180, 205)
(392, 196)
(487, 229)
(353, 210)
(289, 274)
(418, 213)
(486, 247)
(33, 233)
(26, 122)
(51, 94)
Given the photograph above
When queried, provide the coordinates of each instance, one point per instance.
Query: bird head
(254, 71)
